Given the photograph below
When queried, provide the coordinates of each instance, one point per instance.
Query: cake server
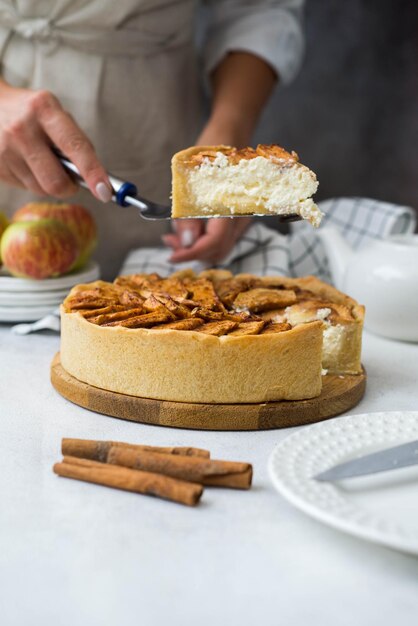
(392, 458)
(126, 194)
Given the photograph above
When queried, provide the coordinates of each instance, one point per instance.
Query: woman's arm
(241, 86)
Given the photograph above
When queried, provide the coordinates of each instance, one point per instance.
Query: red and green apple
(39, 249)
(74, 216)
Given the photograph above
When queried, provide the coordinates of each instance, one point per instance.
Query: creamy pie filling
(227, 181)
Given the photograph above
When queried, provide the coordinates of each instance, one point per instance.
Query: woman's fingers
(215, 243)
(32, 121)
(63, 132)
(7, 176)
(171, 240)
(23, 174)
(241, 226)
(211, 246)
(24, 144)
(186, 232)
(43, 165)
(203, 250)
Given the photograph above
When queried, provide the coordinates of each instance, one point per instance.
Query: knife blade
(389, 459)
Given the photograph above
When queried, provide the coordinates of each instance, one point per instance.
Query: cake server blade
(126, 194)
(392, 458)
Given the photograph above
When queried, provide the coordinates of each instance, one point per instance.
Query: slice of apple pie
(221, 180)
(210, 338)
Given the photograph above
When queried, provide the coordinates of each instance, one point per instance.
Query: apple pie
(221, 180)
(210, 338)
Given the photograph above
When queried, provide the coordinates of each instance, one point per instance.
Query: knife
(389, 459)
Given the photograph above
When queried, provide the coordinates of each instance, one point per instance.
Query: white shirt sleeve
(270, 29)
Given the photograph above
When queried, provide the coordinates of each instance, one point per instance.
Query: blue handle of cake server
(122, 189)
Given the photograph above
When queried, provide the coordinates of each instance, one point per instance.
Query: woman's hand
(30, 123)
(212, 241)
(205, 240)
(209, 240)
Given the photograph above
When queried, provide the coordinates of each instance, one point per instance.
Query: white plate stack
(24, 300)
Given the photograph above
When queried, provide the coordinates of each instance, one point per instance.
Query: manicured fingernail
(187, 238)
(103, 192)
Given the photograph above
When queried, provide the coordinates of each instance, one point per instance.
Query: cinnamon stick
(191, 469)
(98, 450)
(129, 480)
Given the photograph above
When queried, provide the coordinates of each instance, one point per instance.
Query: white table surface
(73, 553)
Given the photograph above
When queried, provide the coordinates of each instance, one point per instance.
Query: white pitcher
(382, 275)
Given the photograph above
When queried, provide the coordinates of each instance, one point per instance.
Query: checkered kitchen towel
(264, 251)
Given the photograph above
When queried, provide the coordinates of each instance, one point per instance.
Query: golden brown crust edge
(180, 193)
(187, 366)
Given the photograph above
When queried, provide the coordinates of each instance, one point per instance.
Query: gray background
(351, 113)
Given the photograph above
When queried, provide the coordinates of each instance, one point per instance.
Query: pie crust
(210, 338)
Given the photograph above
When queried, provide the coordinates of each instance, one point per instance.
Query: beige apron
(127, 72)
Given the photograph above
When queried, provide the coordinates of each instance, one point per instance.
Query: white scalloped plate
(25, 314)
(11, 283)
(382, 508)
(32, 298)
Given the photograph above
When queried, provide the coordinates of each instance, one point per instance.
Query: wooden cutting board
(339, 393)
